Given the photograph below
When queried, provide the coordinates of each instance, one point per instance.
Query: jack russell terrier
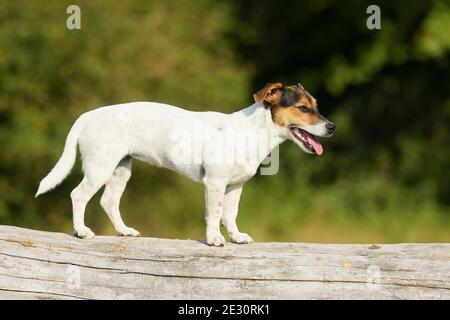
(109, 137)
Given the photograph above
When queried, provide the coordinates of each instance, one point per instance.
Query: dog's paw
(241, 238)
(129, 232)
(83, 233)
(215, 239)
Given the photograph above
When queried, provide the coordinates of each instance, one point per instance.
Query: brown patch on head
(308, 101)
(287, 116)
(270, 94)
(296, 107)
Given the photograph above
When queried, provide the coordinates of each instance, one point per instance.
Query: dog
(110, 137)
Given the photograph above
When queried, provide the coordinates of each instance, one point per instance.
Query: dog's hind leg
(111, 197)
(96, 174)
(80, 197)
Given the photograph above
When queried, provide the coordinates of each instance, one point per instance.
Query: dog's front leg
(214, 197)
(230, 212)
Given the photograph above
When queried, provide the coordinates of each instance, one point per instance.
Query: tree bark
(47, 265)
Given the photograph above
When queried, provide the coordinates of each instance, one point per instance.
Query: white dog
(109, 137)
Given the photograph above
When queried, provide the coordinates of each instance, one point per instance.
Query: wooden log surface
(48, 265)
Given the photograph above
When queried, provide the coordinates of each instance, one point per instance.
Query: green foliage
(384, 175)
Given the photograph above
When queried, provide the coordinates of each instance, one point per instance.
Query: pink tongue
(317, 146)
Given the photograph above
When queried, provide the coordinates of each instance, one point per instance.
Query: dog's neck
(259, 117)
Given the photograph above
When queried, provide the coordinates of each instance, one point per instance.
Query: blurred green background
(384, 176)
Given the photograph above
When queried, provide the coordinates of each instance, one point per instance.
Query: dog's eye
(303, 109)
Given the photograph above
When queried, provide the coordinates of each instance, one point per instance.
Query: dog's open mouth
(308, 140)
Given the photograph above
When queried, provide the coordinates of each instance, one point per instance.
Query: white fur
(317, 129)
(109, 137)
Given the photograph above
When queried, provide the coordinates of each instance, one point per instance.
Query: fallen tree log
(47, 265)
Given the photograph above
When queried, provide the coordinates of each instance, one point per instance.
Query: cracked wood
(47, 265)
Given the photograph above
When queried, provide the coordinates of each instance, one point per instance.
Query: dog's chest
(242, 173)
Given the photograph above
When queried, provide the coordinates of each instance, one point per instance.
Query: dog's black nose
(330, 127)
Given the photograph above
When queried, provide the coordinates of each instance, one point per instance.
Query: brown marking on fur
(220, 203)
(285, 116)
(284, 105)
(306, 101)
(271, 93)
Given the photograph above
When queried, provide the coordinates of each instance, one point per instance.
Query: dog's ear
(271, 93)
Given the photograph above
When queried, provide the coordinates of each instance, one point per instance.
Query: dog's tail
(66, 162)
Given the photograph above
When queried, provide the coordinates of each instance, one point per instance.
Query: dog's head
(293, 108)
